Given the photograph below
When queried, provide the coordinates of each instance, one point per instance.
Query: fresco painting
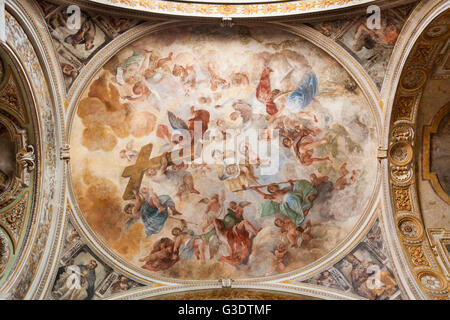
(371, 45)
(76, 44)
(79, 278)
(184, 219)
(82, 275)
(365, 271)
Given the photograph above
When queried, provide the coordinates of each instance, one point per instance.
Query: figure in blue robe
(153, 212)
(153, 219)
(304, 94)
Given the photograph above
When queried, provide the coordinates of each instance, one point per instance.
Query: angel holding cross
(152, 211)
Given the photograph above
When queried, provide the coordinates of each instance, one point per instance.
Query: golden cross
(143, 162)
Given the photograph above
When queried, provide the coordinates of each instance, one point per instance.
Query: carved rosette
(410, 226)
(401, 154)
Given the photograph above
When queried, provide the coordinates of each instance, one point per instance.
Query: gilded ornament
(413, 79)
(401, 153)
(417, 255)
(402, 199)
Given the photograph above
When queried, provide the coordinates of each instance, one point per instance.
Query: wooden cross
(143, 162)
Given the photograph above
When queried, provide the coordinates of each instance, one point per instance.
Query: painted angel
(237, 231)
(129, 153)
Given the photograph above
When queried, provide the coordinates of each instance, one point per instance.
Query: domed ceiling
(228, 209)
(226, 150)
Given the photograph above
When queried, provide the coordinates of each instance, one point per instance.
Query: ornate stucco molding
(402, 93)
(305, 290)
(216, 9)
(24, 42)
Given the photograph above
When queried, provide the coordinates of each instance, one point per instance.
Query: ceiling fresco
(224, 150)
(216, 213)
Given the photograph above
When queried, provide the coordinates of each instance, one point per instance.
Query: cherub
(282, 256)
(342, 182)
(162, 256)
(129, 153)
(141, 92)
(120, 285)
(180, 71)
(289, 228)
(177, 173)
(214, 208)
(187, 243)
(239, 79)
(134, 68)
(72, 236)
(85, 35)
(161, 62)
(303, 147)
(215, 80)
(202, 167)
(292, 231)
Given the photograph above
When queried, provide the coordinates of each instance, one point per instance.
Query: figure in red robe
(237, 232)
(264, 92)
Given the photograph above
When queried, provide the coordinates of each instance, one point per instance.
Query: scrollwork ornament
(26, 158)
(418, 256)
(14, 217)
(402, 199)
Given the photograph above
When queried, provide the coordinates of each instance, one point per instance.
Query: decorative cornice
(214, 9)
